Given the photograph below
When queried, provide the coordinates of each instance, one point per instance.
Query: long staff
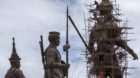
(67, 40)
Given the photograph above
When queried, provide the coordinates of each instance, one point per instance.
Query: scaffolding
(118, 54)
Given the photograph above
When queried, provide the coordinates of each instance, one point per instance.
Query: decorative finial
(14, 54)
(14, 49)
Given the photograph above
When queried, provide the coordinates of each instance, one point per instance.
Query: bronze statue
(14, 71)
(104, 40)
(106, 34)
(55, 66)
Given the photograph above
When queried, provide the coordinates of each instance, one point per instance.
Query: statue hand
(67, 66)
(135, 57)
(91, 49)
(65, 69)
(66, 47)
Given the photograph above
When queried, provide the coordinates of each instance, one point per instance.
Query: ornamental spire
(14, 54)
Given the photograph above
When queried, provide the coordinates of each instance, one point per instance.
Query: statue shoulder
(14, 72)
(50, 52)
(19, 73)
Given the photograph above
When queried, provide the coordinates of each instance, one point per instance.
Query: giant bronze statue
(55, 67)
(104, 37)
(14, 71)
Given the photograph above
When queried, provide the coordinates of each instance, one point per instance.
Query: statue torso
(55, 58)
(14, 73)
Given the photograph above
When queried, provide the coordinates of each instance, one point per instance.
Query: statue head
(14, 59)
(105, 7)
(54, 38)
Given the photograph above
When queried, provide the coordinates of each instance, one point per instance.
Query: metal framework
(120, 54)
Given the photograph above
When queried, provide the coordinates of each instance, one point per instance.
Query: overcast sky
(26, 20)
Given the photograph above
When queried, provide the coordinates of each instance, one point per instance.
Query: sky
(26, 20)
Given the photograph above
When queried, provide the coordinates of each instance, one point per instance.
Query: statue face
(57, 41)
(54, 39)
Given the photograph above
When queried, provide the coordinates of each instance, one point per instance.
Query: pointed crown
(14, 54)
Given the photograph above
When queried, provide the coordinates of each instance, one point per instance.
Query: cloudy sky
(26, 20)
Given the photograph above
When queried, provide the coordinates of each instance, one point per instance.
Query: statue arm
(14, 73)
(91, 42)
(51, 59)
(124, 45)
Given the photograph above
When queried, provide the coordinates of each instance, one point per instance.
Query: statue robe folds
(14, 73)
